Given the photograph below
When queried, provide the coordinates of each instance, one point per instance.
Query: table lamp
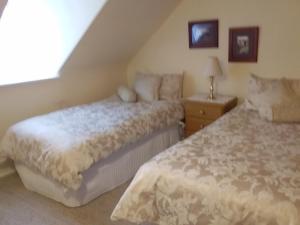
(212, 70)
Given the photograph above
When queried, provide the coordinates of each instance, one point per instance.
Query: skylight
(38, 36)
(30, 42)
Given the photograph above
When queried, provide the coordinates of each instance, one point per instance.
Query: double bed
(240, 170)
(76, 154)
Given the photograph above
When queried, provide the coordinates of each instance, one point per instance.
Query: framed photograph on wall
(204, 34)
(243, 44)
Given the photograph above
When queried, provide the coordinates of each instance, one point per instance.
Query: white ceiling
(119, 30)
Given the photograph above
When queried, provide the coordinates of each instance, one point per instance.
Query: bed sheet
(239, 170)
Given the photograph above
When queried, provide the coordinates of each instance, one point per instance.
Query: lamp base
(211, 90)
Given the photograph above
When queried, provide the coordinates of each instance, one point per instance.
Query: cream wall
(22, 101)
(279, 45)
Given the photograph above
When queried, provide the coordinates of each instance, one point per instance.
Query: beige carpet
(19, 206)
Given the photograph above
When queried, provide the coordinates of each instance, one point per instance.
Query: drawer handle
(202, 112)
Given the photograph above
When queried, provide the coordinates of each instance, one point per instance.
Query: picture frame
(203, 34)
(243, 44)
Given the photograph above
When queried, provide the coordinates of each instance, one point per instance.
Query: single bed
(76, 154)
(240, 170)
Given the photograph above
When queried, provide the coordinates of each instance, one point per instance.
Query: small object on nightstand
(201, 111)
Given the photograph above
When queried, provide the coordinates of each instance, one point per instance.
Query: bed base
(104, 175)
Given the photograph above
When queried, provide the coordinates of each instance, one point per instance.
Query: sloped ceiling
(119, 30)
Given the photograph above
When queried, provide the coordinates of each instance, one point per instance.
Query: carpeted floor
(19, 206)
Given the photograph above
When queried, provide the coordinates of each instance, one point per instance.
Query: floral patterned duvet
(241, 170)
(63, 144)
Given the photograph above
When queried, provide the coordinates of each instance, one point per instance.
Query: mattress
(103, 175)
(65, 143)
(239, 170)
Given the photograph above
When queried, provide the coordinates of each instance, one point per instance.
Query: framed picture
(204, 34)
(243, 44)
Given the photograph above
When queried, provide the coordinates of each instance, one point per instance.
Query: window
(30, 42)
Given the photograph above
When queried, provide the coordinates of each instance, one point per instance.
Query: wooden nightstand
(201, 111)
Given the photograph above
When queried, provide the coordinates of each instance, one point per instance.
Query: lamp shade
(212, 68)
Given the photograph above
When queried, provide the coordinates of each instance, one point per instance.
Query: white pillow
(147, 86)
(126, 94)
(265, 91)
(275, 99)
(171, 87)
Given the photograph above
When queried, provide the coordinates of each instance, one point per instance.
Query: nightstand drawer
(204, 111)
(195, 124)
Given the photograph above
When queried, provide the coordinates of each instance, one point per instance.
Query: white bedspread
(63, 144)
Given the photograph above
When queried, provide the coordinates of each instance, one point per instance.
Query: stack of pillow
(276, 100)
(153, 87)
